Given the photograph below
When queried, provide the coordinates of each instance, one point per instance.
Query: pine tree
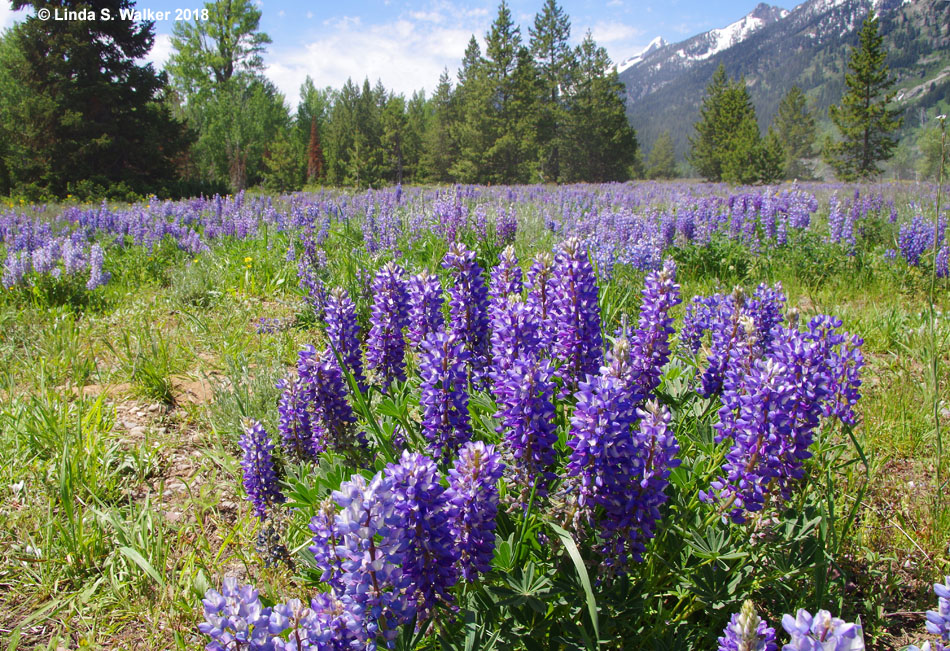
(728, 145)
(440, 150)
(510, 78)
(866, 118)
(88, 118)
(602, 146)
(740, 142)
(315, 161)
(471, 129)
(662, 161)
(795, 129)
(705, 153)
(555, 62)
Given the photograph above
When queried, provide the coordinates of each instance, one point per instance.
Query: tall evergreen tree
(87, 115)
(867, 119)
(472, 127)
(510, 79)
(555, 62)
(440, 151)
(728, 145)
(662, 161)
(602, 144)
(794, 127)
(310, 123)
(705, 154)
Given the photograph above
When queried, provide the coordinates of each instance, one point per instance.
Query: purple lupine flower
(323, 626)
(468, 308)
(343, 333)
(422, 532)
(74, 260)
(386, 347)
(425, 307)
(938, 621)
(525, 394)
(699, 318)
(506, 276)
(260, 478)
(332, 422)
(443, 394)
(97, 277)
(765, 306)
(843, 361)
(514, 334)
(473, 505)
(371, 583)
(17, 265)
(293, 422)
(326, 537)
(725, 324)
(506, 225)
(235, 618)
(942, 262)
(578, 343)
(600, 440)
(746, 631)
(771, 408)
(541, 293)
(761, 435)
(821, 633)
(650, 345)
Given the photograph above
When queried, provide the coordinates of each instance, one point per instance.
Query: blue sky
(407, 43)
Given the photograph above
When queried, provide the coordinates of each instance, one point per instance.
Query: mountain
(655, 44)
(774, 49)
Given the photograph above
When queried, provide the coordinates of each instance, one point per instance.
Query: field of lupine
(638, 416)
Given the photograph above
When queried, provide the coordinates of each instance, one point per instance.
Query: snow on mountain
(720, 39)
(655, 44)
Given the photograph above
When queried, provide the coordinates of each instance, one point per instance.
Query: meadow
(526, 417)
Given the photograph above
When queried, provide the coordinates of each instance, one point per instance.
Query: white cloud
(8, 16)
(614, 32)
(615, 3)
(406, 54)
(161, 50)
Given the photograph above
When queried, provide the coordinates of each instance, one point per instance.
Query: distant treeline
(79, 115)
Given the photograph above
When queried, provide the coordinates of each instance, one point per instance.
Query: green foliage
(933, 154)
(78, 109)
(866, 119)
(236, 112)
(283, 172)
(662, 161)
(727, 145)
(602, 145)
(794, 127)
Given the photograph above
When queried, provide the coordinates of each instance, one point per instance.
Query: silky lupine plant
(468, 309)
(386, 347)
(747, 631)
(578, 342)
(260, 478)
(443, 394)
(775, 384)
(389, 548)
(343, 333)
(425, 307)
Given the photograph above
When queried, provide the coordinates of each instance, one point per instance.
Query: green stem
(934, 354)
